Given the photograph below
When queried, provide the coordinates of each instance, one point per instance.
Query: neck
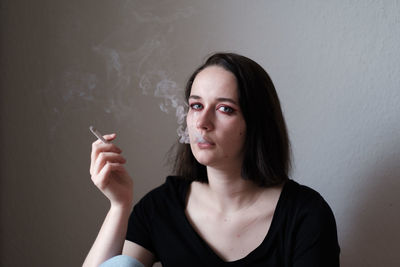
(229, 192)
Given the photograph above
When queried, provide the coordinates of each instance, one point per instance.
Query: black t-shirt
(302, 232)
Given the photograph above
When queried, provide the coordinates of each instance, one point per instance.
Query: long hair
(267, 147)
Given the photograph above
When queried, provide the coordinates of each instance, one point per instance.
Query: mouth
(205, 145)
(201, 140)
(204, 142)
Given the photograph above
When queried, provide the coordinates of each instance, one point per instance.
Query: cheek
(241, 137)
(191, 118)
(234, 138)
(190, 123)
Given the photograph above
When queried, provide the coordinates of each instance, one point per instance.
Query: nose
(204, 120)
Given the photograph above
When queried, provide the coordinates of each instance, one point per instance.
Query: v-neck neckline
(252, 254)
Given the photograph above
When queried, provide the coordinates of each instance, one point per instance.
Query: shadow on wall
(373, 236)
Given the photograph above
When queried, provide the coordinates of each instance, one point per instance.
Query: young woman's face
(216, 126)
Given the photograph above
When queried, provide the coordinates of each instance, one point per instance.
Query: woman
(231, 203)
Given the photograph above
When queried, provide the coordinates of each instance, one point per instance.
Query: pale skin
(111, 178)
(226, 211)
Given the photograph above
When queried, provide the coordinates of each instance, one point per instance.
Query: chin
(203, 159)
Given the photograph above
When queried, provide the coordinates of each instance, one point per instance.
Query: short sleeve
(316, 242)
(139, 224)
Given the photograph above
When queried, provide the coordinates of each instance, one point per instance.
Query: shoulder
(154, 207)
(172, 184)
(304, 198)
(306, 211)
(173, 189)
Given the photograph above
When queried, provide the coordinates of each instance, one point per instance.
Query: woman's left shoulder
(305, 198)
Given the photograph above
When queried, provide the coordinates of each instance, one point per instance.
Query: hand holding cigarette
(108, 171)
(98, 134)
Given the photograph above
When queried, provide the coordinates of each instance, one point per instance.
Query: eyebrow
(221, 99)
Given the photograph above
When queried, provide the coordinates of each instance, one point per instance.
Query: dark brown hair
(267, 147)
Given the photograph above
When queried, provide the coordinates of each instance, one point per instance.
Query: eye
(196, 106)
(226, 109)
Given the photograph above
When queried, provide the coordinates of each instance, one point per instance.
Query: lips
(203, 142)
(205, 145)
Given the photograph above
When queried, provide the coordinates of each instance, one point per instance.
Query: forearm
(111, 237)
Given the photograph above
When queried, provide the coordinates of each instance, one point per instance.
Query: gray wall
(117, 64)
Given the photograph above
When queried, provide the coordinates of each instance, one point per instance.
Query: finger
(97, 148)
(105, 157)
(104, 177)
(100, 146)
(110, 137)
(107, 137)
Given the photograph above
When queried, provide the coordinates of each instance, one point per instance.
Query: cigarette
(98, 134)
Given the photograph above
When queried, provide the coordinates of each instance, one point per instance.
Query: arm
(138, 252)
(110, 176)
(110, 239)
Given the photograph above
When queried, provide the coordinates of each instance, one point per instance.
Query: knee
(121, 261)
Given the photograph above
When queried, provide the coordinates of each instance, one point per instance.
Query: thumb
(110, 137)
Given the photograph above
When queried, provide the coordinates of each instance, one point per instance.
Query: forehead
(215, 81)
